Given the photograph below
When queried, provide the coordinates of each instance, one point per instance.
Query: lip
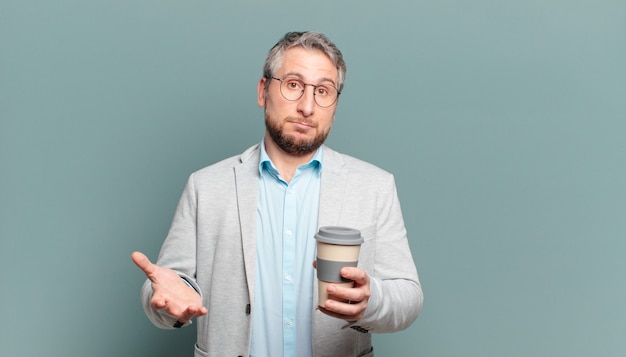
(303, 125)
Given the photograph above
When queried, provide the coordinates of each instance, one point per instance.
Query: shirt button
(288, 232)
(288, 277)
(288, 322)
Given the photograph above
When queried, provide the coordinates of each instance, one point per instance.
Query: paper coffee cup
(337, 247)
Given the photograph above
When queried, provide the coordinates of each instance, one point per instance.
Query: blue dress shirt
(287, 216)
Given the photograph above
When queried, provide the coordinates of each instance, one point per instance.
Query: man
(240, 251)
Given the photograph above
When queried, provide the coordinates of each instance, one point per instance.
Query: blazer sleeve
(178, 253)
(396, 294)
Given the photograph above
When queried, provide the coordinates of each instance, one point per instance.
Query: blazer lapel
(334, 179)
(247, 185)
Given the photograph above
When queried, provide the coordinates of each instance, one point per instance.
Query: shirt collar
(265, 163)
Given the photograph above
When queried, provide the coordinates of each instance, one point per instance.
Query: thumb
(143, 263)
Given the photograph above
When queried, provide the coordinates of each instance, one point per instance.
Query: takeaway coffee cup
(337, 247)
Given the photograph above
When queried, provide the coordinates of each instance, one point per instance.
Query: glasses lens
(292, 88)
(325, 95)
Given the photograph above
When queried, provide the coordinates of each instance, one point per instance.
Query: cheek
(328, 122)
(276, 105)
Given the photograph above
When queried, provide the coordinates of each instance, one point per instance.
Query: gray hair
(307, 40)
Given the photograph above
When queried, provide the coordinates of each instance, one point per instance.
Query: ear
(261, 92)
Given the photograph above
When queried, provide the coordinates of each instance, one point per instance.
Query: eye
(293, 84)
(323, 91)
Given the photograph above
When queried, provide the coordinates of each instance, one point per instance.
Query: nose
(306, 104)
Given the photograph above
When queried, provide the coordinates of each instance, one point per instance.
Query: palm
(170, 292)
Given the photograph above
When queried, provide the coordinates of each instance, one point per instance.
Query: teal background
(503, 121)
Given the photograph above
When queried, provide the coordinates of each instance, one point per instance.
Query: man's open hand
(170, 292)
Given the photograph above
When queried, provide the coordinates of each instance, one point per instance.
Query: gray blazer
(212, 244)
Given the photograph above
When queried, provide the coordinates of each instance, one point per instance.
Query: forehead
(309, 64)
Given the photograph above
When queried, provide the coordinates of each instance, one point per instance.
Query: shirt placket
(289, 271)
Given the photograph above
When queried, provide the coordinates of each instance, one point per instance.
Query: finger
(343, 293)
(191, 312)
(157, 303)
(143, 263)
(355, 274)
(186, 315)
(338, 310)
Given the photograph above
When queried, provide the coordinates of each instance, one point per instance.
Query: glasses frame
(302, 93)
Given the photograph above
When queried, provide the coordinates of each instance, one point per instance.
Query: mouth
(302, 123)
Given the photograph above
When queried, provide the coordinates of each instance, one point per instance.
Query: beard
(289, 143)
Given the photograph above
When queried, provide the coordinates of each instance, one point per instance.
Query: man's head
(309, 41)
(302, 78)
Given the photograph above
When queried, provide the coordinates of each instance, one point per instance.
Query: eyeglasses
(293, 88)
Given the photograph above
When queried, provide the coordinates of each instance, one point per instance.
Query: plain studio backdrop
(504, 123)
